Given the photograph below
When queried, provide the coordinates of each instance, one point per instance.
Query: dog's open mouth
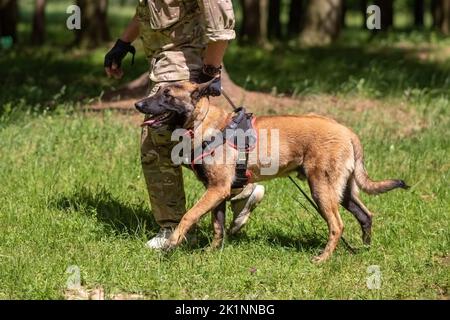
(155, 121)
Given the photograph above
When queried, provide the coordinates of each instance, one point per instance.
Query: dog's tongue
(148, 122)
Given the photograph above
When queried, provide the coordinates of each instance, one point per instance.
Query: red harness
(243, 121)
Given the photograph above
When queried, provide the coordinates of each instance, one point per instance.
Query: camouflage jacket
(175, 33)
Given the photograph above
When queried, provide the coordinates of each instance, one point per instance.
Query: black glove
(118, 52)
(209, 73)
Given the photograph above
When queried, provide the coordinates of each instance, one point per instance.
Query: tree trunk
(295, 17)
(94, 27)
(9, 17)
(435, 13)
(441, 15)
(254, 21)
(418, 13)
(364, 6)
(250, 29)
(387, 13)
(274, 23)
(343, 14)
(263, 21)
(38, 33)
(323, 22)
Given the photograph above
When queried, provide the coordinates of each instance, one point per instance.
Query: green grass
(387, 65)
(373, 69)
(72, 194)
(72, 191)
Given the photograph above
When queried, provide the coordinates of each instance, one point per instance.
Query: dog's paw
(174, 241)
(169, 245)
(216, 244)
(366, 239)
(319, 259)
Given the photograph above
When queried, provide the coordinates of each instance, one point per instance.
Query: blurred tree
(263, 20)
(323, 22)
(434, 12)
(343, 13)
(38, 33)
(418, 12)
(250, 29)
(363, 7)
(9, 17)
(94, 27)
(295, 17)
(254, 20)
(273, 22)
(387, 13)
(441, 15)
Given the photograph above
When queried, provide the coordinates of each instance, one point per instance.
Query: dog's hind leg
(327, 201)
(218, 223)
(354, 205)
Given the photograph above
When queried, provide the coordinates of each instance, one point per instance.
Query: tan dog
(326, 153)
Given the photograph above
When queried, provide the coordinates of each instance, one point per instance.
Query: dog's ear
(202, 89)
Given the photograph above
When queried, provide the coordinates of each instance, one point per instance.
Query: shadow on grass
(377, 71)
(41, 77)
(133, 219)
(46, 76)
(309, 242)
(120, 217)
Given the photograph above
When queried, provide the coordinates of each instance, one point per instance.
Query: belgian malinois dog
(326, 153)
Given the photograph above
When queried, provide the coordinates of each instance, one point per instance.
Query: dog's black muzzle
(142, 106)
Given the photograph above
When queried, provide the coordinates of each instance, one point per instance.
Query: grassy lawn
(72, 194)
(72, 191)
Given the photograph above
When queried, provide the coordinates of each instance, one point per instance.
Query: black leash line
(304, 193)
(317, 209)
(229, 100)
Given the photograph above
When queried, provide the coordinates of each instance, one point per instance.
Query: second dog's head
(173, 104)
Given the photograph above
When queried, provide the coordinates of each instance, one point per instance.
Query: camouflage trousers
(164, 179)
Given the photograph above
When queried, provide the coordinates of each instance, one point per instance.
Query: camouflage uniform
(174, 34)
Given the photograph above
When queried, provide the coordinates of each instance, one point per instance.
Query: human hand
(113, 59)
(215, 88)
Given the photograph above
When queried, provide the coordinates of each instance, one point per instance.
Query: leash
(353, 251)
(229, 99)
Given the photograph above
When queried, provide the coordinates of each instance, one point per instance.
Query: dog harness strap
(242, 121)
(241, 177)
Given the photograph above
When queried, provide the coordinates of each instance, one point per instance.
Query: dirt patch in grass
(445, 260)
(98, 294)
(425, 52)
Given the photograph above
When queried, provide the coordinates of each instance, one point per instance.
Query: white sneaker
(158, 241)
(243, 204)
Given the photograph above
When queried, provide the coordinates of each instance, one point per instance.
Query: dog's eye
(166, 92)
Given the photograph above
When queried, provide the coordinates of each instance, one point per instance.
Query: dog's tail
(362, 178)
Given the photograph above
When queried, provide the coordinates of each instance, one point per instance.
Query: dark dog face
(173, 104)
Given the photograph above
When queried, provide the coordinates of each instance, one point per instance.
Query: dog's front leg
(218, 223)
(210, 200)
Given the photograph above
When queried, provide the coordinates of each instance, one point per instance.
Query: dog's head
(173, 104)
